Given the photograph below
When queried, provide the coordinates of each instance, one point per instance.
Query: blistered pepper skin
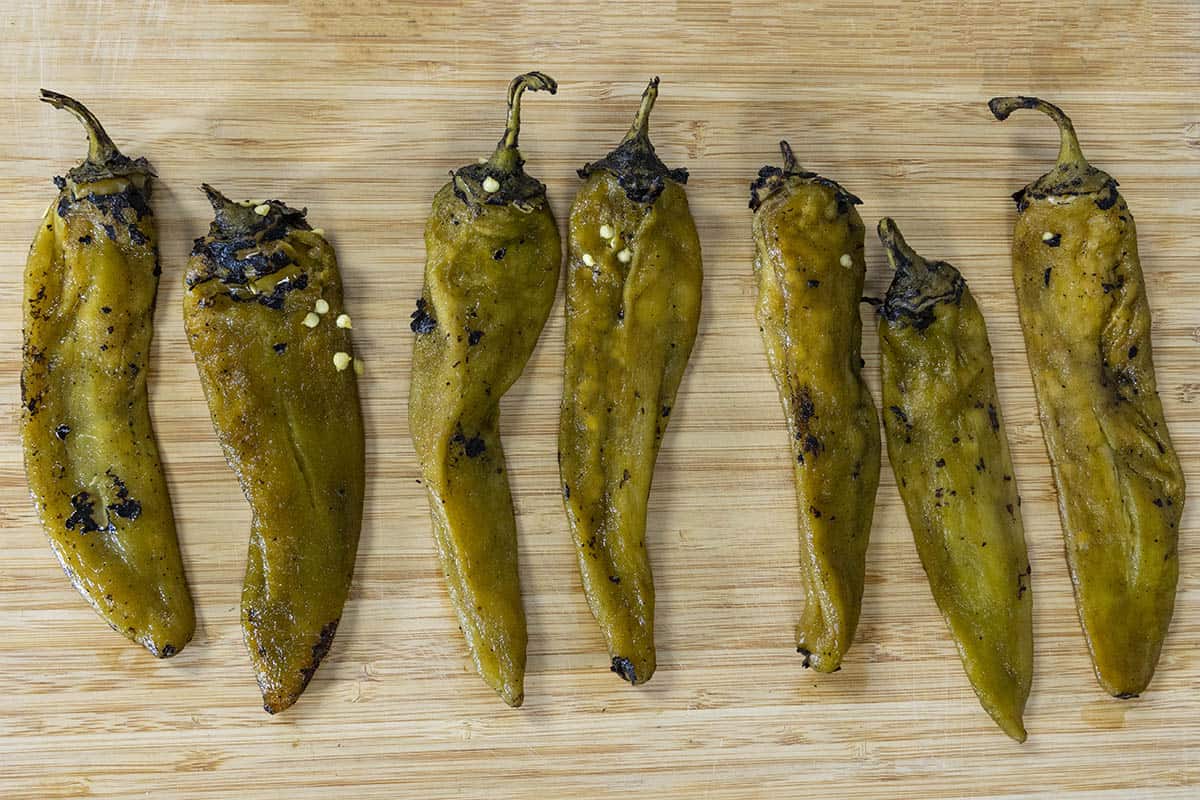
(1086, 321)
(90, 453)
(493, 255)
(810, 269)
(948, 449)
(285, 408)
(632, 310)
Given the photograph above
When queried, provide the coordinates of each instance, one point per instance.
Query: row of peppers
(266, 323)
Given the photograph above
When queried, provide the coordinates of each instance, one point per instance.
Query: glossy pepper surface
(493, 255)
(90, 453)
(948, 449)
(1086, 322)
(261, 311)
(809, 263)
(633, 306)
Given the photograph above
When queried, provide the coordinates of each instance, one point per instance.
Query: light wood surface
(357, 109)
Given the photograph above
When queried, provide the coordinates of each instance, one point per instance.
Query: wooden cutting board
(357, 109)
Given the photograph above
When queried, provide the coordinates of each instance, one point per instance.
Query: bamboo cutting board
(357, 109)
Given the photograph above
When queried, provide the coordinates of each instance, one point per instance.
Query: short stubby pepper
(633, 305)
(810, 268)
(90, 453)
(1086, 320)
(267, 324)
(493, 255)
(948, 449)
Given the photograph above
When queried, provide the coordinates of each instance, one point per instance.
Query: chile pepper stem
(100, 146)
(230, 215)
(789, 158)
(507, 157)
(1068, 151)
(640, 129)
(899, 254)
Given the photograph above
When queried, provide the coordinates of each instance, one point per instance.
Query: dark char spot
(422, 320)
(624, 667)
(81, 516)
(473, 446)
(126, 507)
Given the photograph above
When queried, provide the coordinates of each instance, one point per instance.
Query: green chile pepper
(810, 268)
(1086, 321)
(266, 323)
(90, 453)
(493, 255)
(633, 305)
(947, 446)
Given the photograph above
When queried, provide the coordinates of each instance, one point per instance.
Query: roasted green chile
(633, 305)
(810, 268)
(948, 449)
(493, 255)
(267, 324)
(90, 453)
(1086, 321)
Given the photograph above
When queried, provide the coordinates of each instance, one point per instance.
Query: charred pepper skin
(90, 453)
(632, 309)
(948, 449)
(493, 255)
(810, 268)
(1086, 322)
(285, 408)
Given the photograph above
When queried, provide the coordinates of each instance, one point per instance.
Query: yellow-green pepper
(90, 453)
(267, 325)
(1086, 320)
(947, 447)
(633, 306)
(810, 268)
(493, 255)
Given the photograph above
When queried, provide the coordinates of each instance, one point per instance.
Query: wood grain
(357, 109)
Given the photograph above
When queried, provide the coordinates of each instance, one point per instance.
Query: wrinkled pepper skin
(284, 404)
(493, 255)
(1086, 322)
(90, 453)
(948, 449)
(632, 309)
(810, 268)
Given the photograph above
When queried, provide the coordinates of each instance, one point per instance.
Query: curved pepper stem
(918, 285)
(899, 255)
(1068, 150)
(507, 157)
(101, 149)
(640, 129)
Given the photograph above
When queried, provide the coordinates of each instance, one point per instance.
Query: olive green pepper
(948, 449)
(1086, 320)
(810, 268)
(633, 305)
(267, 325)
(493, 255)
(90, 452)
